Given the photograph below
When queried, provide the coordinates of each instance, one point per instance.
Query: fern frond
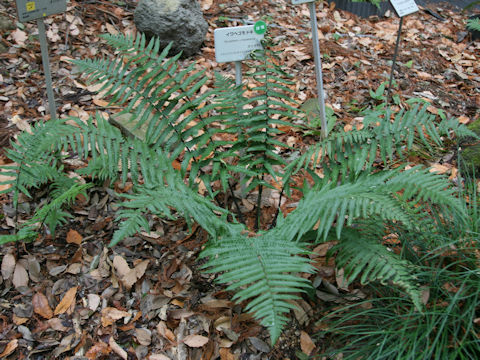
(385, 136)
(368, 195)
(153, 90)
(52, 212)
(36, 157)
(375, 262)
(162, 191)
(265, 113)
(263, 270)
(473, 24)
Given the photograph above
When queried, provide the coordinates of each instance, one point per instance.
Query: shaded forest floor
(65, 296)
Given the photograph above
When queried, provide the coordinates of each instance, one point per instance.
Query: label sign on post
(236, 43)
(34, 9)
(404, 7)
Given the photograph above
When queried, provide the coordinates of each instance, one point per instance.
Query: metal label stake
(28, 10)
(318, 62)
(238, 73)
(46, 68)
(402, 8)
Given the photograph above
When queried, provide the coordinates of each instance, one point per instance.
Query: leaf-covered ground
(70, 296)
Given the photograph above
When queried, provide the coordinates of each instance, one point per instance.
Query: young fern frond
(357, 254)
(36, 157)
(50, 214)
(263, 270)
(53, 213)
(266, 110)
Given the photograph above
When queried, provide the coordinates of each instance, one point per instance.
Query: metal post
(394, 60)
(318, 67)
(238, 73)
(238, 82)
(46, 68)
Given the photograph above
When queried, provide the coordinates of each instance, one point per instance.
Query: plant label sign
(236, 43)
(296, 2)
(404, 7)
(35, 9)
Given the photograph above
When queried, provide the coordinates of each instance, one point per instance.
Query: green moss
(475, 126)
(471, 153)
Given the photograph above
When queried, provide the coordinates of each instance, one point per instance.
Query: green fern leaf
(261, 269)
(357, 254)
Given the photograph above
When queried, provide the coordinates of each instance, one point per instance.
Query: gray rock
(177, 21)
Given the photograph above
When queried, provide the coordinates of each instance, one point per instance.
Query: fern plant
(473, 24)
(218, 134)
(448, 268)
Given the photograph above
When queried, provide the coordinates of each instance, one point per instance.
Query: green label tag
(260, 27)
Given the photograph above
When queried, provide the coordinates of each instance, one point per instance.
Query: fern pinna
(219, 134)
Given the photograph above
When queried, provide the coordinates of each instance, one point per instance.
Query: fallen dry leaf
(19, 36)
(21, 124)
(11, 346)
(56, 324)
(19, 320)
(98, 350)
(306, 343)
(438, 168)
(100, 102)
(20, 276)
(164, 331)
(74, 237)
(41, 306)
(195, 340)
(8, 263)
(5, 178)
(125, 274)
(140, 268)
(144, 336)
(117, 349)
(111, 314)
(225, 354)
(206, 4)
(129, 276)
(93, 301)
(67, 301)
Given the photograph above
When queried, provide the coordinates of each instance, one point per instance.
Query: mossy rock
(471, 148)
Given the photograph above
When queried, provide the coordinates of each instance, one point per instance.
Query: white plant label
(297, 2)
(404, 7)
(236, 43)
(35, 9)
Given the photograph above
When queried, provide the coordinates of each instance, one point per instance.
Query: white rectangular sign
(296, 2)
(404, 7)
(35, 9)
(236, 43)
